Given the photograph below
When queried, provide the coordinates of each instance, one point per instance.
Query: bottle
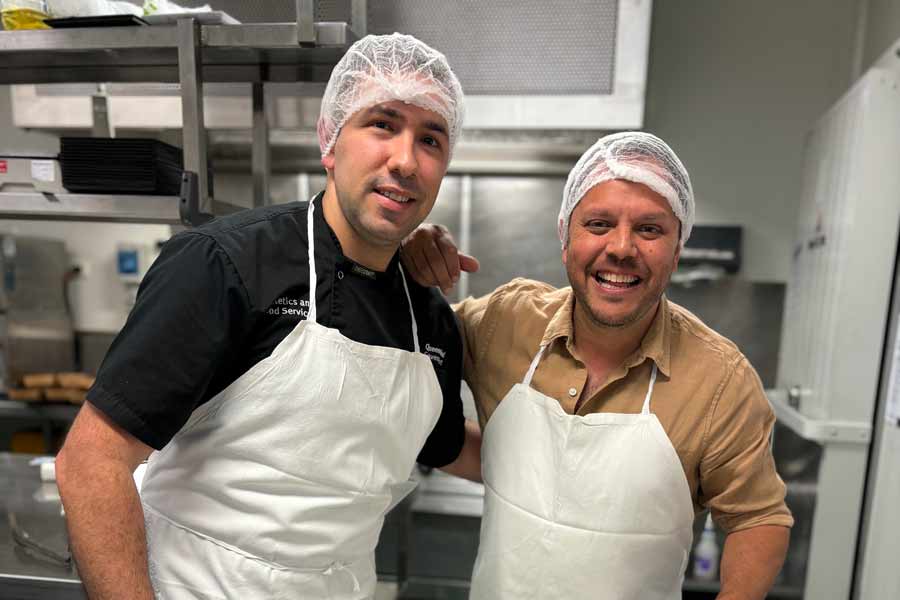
(24, 14)
(706, 554)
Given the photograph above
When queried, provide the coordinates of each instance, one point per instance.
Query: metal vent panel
(253, 11)
(502, 47)
(508, 47)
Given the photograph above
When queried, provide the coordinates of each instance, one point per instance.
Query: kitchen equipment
(120, 165)
(836, 318)
(30, 173)
(39, 336)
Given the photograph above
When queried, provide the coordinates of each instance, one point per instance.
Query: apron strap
(534, 363)
(412, 314)
(646, 409)
(310, 242)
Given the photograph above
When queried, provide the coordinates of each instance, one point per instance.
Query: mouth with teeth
(616, 281)
(394, 196)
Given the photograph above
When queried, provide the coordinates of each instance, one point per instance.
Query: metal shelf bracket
(817, 430)
(194, 131)
(189, 201)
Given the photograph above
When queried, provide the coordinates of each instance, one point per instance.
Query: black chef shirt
(221, 297)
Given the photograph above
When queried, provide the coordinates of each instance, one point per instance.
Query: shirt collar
(328, 242)
(656, 344)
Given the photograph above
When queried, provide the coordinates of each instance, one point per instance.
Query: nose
(402, 160)
(620, 243)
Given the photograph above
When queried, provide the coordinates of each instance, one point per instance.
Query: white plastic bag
(91, 8)
(163, 7)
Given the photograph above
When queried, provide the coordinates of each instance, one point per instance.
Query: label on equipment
(43, 170)
(2, 166)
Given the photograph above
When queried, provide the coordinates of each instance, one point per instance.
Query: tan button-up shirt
(708, 398)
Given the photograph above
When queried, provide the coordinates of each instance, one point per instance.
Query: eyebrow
(387, 112)
(436, 127)
(394, 114)
(653, 216)
(657, 216)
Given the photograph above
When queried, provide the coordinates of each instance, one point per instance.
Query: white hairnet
(635, 156)
(382, 68)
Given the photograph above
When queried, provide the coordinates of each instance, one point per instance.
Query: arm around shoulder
(468, 464)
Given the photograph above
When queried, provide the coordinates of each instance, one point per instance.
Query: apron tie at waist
(339, 566)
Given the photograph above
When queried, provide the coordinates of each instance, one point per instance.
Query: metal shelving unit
(90, 207)
(43, 411)
(187, 53)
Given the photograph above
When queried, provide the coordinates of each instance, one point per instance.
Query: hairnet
(635, 156)
(382, 68)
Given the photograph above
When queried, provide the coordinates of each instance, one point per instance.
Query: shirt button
(340, 274)
(573, 392)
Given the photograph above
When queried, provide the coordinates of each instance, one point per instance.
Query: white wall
(734, 86)
(99, 300)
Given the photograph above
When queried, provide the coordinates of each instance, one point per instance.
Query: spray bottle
(706, 554)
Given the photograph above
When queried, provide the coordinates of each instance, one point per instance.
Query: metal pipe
(261, 156)
(101, 126)
(303, 191)
(306, 22)
(359, 17)
(192, 125)
(465, 232)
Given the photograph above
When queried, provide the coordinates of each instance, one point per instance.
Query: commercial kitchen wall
(98, 297)
(732, 85)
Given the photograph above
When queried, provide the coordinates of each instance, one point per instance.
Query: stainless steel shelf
(190, 54)
(230, 53)
(101, 208)
(43, 411)
(90, 207)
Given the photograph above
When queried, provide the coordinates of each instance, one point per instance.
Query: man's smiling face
(388, 163)
(622, 249)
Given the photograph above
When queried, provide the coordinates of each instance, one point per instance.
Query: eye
(382, 125)
(650, 230)
(598, 224)
(431, 141)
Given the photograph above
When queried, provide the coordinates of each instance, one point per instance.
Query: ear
(328, 160)
(677, 256)
(565, 254)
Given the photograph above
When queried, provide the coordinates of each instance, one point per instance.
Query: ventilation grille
(501, 47)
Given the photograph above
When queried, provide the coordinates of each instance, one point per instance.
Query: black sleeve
(190, 310)
(446, 439)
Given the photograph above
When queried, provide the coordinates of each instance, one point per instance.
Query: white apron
(278, 486)
(576, 507)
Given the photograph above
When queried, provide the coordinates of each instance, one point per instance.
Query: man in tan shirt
(600, 353)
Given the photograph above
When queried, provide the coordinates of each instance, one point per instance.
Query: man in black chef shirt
(288, 403)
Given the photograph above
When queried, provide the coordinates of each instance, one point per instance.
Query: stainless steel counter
(35, 508)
